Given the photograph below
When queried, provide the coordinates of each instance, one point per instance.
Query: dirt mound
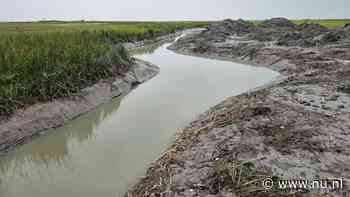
(230, 26)
(289, 39)
(278, 22)
(298, 38)
(308, 40)
(344, 87)
(347, 26)
(310, 35)
(331, 37)
(312, 27)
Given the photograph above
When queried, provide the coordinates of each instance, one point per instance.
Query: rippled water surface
(103, 152)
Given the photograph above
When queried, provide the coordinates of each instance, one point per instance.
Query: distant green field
(124, 27)
(330, 23)
(41, 61)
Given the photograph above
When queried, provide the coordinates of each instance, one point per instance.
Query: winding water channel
(103, 152)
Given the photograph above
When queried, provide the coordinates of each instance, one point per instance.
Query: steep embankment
(298, 126)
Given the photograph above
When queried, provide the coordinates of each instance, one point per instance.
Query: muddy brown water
(106, 150)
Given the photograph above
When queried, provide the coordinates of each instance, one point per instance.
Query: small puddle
(104, 151)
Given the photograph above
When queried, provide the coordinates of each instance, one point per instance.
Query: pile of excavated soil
(278, 23)
(296, 127)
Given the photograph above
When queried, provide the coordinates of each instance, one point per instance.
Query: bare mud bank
(297, 127)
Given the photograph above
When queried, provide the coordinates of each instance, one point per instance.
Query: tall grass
(43, 61)
(329, 23)
(41, 67)
(131, 29)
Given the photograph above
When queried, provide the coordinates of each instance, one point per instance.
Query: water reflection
(54, 148)
(149, 49)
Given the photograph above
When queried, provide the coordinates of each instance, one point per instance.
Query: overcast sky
(24, 10)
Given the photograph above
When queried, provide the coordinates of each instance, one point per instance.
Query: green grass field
(329, 23)
(41, 61)
(130, 28)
